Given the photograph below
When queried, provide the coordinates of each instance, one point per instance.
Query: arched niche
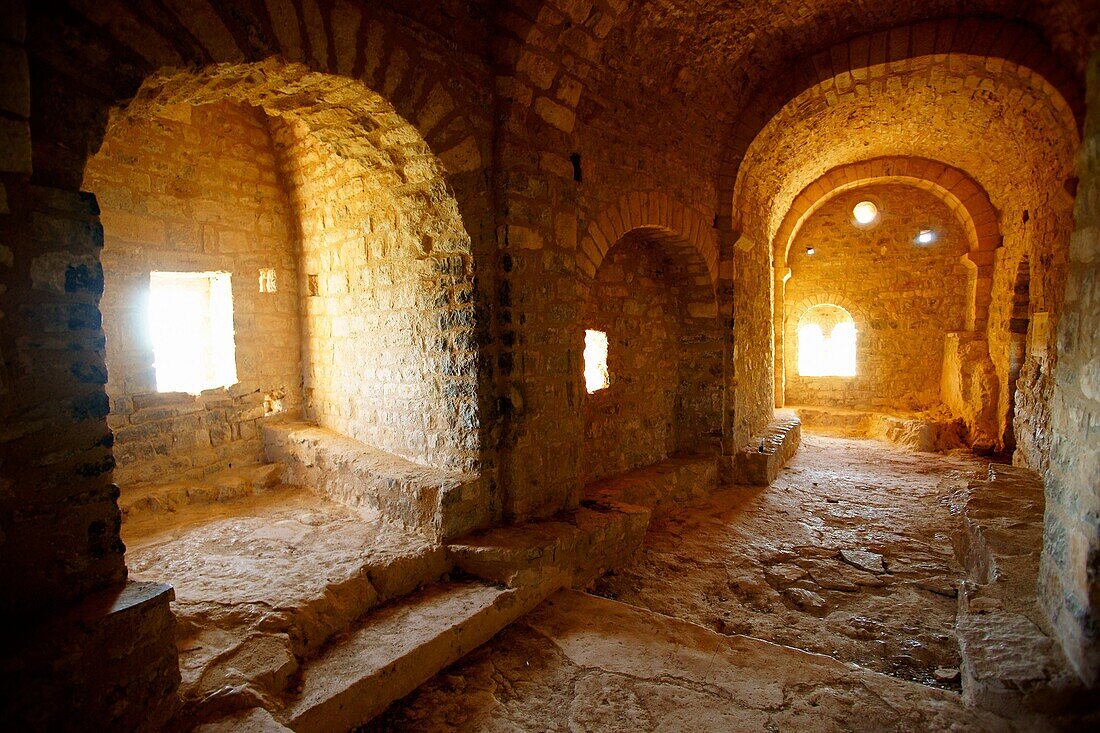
(370, 330)
(652, 297)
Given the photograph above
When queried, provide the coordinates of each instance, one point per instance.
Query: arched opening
(652, 299)
(868, 308)
(292, 367)
(826, 342)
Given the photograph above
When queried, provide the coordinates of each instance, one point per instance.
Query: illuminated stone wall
(195, 189)
(904, 297)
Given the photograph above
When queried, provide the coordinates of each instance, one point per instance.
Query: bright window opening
(596, 376)
(865, 212)
(826, 343)
(925, 236)
(191, 324)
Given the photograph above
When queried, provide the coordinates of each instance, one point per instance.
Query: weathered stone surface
(746, 562)
(1010, 663)
(585, 663)
(437, 503)
(864, 560)
(263, 581)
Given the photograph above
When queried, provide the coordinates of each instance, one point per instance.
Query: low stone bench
(911, 430)
(436, 503)
(1010, 664)
(676, 481)
(758, 463)
(144, 500)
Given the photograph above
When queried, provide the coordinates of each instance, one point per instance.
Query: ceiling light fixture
(809, 250)
(926, 236)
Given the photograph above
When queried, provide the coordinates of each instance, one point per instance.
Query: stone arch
(558, 45)
(963, 195)
(1010, 47)
(339, 38)
(654, 299)
(392, 233)
(859, 316)
(660, 217)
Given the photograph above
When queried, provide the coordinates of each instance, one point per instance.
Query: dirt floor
(768, 562)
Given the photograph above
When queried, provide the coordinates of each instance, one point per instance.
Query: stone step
(671, 483)
(572, 551)
(912, 430)
(398, 648)
(143, 501)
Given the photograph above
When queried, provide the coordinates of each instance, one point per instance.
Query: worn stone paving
(583, 663)
(848, 553)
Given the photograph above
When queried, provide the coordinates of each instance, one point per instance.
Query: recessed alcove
(292, 371)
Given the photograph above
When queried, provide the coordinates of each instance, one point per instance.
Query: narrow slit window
(191, 328)
(596, 376)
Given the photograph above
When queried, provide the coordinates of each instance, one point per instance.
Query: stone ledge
(674, 482)
(436, 503)
(574, 549)
(143, 500)
(1010, 663)
(758, 463)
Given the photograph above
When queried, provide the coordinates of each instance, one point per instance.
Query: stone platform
(436, 503)
(1010, 663)
(913, 430)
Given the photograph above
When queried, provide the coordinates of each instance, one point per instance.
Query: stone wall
(904, 297)
(194, 190)
(387, 300)
(1070, 569)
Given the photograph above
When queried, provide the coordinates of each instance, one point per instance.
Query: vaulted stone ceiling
(715, 53)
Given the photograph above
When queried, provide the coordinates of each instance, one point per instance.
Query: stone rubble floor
(741, 586)
(766, 562)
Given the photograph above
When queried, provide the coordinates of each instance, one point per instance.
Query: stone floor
(583, 663)
(798, 563)
(847, 556)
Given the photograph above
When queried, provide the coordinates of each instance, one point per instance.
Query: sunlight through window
(596, 376)
(827, 343)
(191, 323)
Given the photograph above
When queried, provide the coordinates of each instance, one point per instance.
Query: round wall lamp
(925, 236)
